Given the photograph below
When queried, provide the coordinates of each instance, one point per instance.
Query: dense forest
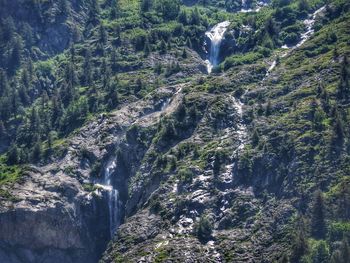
(111, 121)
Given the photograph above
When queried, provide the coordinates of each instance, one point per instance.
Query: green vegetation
(8, 174)
(294, 148)
(204, 229)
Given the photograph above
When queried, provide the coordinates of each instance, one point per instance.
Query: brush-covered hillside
(174, 131)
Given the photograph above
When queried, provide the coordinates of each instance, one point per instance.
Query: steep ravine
(63, 211)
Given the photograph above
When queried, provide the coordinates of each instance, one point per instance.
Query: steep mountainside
(174, 131)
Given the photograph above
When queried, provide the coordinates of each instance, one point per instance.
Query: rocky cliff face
(60, 212)
(45, 24)
(53, 219)
(201, 168)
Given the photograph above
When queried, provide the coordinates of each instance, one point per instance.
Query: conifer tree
(318, 223)
(94, 11)
(300, 246)
(184, 53)
(343, 91)
(15, 59)
(338, 131)
(345, 250)
(36, 152)
(87, 69)
(103, 37)
(336, 257)
(255, 137)
(146, 5)
(114, 9)
(3, 132)
(13, 155)
(182, 18)
(3, 83)
(162, 47)
(322, 253)
(147, 48)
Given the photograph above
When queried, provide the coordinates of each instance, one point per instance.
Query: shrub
(204, 229)
(185, 175)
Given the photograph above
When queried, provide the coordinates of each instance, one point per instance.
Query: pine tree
(322, 253)
(13, 155)
(3, 132)
(113, 60)
(284, 259)
(87, 69)
(300, 247)
(147, 48)
(103, 37)
(106, 76)
(15, 59)
(14, 102)
(303, 6)
(94, 11)
(336, 257)
(113, 95)
(114, 9)
(162, 47)
(117, 31)
(188, 42)
(345, 250)
(216, 164)
(343, 91)
(338, 131)
(184, 53)
(318, 223)
(255, 137)
(195, 17)
(36, 152)
(204, 229)
(34, 121)
(146, 5)
(335, 51)
(139, 86)
(8, 29)
(182, 18)
(64, 7)
(3, 83)
(158, 68)
(268, 108)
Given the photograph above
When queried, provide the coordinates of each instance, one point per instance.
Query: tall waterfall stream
(112, 196)
(215, 34)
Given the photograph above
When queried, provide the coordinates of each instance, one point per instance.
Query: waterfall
(246, 9)
(309, 24)
(165, 104)
(112, 196)
(215, 36)
(272, 66)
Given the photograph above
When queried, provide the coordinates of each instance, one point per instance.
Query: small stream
(246, 9)
(309, 24)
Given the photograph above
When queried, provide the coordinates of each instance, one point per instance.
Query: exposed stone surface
(53, 212)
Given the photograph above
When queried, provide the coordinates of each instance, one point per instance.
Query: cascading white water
(215, 35)
(165, 104)
(245, 8)
(309, 23)
(113, 196)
